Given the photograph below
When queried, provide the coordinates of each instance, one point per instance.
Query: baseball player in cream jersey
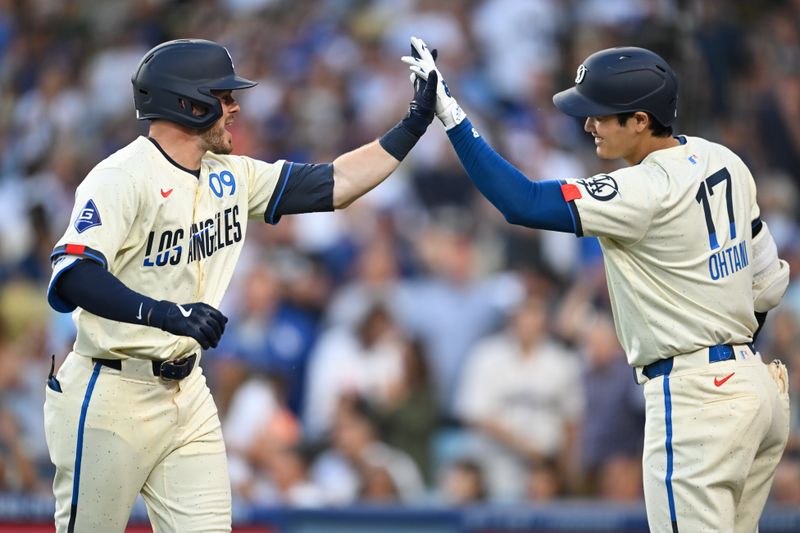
(129, 412)
(692, 271)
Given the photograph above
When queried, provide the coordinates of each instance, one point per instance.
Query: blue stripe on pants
(76, 480)
(668, 416)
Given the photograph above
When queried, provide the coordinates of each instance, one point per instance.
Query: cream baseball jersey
(676, 236)
(163, 232)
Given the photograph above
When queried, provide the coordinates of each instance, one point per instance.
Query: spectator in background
(289, 472)
(522, 395)
(613, 436)
(346, 363)
(521, 40)
(24, 464)
(259, 428)
(17, 470)
(544, 481)
(409, 412)
(49, 110)
(777, 115)
(463, 483)
(783, 339)
(24, 365)
(452, 307)
(376, 279)
(778, 105)
(267, 335)
(786, 487)
(353, 465)
(378, 486)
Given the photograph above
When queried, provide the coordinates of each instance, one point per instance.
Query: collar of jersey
(195, 173)
(680, 138)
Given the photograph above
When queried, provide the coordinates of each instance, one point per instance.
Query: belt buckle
(174, 370)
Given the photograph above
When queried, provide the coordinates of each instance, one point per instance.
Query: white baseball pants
(114, 434)
(714, 435)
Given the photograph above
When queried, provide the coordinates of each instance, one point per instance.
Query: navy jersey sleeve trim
(524, 202)
(269, 214)
(53, 298)
(575, 214)
(310, 190)
(76, 251)
(756, 226)
(79, 250)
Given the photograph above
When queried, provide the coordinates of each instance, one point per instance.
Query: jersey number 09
(702, 198)
(224, 179)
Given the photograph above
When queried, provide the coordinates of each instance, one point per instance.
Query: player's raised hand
(423, 106)
(198, 320)
(422, 63)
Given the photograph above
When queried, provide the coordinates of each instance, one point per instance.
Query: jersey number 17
(706, 189)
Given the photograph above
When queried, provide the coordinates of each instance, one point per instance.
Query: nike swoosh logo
(184, 312)
(166, 193)
(139, 316)
(719, 382)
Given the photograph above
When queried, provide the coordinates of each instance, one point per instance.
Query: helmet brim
(573, 103)
(231, 83)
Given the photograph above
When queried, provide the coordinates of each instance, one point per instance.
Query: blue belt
(662, 367)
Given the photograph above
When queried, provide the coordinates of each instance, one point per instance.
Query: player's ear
(641, 121)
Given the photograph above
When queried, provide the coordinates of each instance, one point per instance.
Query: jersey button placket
(196, 209)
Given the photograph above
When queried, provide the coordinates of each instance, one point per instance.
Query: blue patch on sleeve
(89, 217)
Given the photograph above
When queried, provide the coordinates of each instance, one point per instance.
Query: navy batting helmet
(176, 74)
(622, 80)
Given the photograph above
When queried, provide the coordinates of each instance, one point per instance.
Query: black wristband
(158, 314)
(399, 140)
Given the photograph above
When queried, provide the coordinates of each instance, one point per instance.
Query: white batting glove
(421, 63)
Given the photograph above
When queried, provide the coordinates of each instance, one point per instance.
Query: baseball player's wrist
(157, 314)
(451, 115)
(399, 140)
(417, 121)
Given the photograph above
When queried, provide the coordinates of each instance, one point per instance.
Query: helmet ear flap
(197, 110)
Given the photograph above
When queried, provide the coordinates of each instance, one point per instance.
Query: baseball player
(692, 270)
(155, 234)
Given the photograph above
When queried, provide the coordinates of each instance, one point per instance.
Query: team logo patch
(89, 217)
(602, 187)
(580, 74)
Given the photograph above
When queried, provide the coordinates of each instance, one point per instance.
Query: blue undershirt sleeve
(524, 202)
(90, 286)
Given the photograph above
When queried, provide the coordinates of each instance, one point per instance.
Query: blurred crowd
(415, 347)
